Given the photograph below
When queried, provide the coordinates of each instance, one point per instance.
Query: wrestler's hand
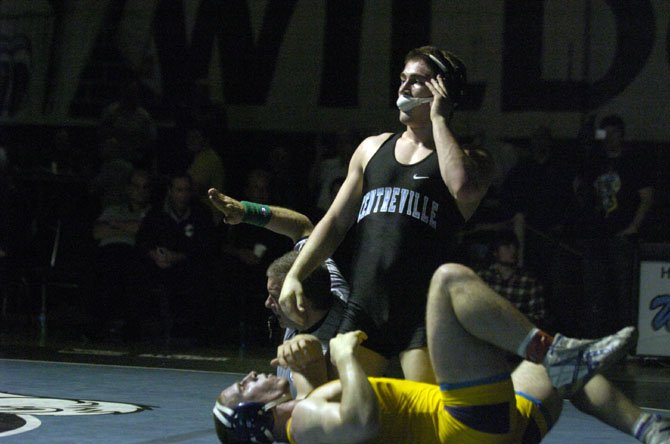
(345, 344)
(291, 300)
(299, 352)
(233, 211)
(441, 105)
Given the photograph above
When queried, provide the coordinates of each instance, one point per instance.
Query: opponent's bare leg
(372, 362)
(532, 380)
(603, 400)
(416, 365)
(457, 354)
(460, 303)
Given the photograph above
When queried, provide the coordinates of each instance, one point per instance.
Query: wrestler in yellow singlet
(486, 413)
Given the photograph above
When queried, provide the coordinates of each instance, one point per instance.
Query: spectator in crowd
(109, 185)
(614, 193)
(538, 189)
(206, 167)
(514, 283)
(61, 156)
(176, 241)
(286, 179)
(132, 125)
(328, 167)
(118, 266)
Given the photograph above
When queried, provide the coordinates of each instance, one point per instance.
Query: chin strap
(282, 399)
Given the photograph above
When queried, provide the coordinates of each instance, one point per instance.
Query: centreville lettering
(400, 201)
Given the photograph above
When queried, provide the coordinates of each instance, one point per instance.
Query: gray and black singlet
(405, 229)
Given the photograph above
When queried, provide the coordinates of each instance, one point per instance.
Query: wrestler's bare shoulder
(370, 145)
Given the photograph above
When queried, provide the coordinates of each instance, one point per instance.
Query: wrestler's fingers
(220, 200)
(214, 195)
(299, 301)
(436, 85)
(362, 336)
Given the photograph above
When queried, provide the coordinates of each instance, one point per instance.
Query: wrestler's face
(274, 285)
(413, 80)
(257, 387)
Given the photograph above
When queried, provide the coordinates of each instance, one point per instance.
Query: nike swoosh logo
(417, 177)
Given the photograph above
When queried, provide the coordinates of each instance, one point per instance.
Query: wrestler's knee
(447, 274)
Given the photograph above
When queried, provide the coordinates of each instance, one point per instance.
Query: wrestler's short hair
(445, 63)
(316, 286)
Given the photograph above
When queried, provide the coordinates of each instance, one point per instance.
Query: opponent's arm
(304, 356)
(281, 220)
(322, 418)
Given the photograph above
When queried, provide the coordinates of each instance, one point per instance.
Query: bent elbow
(367, 428)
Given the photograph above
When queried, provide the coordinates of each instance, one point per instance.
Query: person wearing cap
(408, 194)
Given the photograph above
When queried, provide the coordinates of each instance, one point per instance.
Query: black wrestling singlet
(405, 229)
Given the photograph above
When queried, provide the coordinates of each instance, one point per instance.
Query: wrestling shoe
(655, 431)
(570, 363)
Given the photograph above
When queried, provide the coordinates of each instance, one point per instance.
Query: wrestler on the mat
(474, 401)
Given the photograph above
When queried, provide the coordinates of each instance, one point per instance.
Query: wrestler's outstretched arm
(282, 221)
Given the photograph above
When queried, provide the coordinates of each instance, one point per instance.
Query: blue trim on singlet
(543, 410)
(444, 386)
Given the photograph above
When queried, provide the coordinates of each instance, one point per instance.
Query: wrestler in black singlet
(406, 228)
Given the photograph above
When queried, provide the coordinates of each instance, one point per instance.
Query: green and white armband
(256, 214)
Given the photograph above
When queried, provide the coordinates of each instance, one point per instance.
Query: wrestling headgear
(454, 74)
(449, 65)
(248, 421)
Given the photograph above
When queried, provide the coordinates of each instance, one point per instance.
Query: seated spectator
(118, 267)
(176, 241)
(108, 186)
(514, 283)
